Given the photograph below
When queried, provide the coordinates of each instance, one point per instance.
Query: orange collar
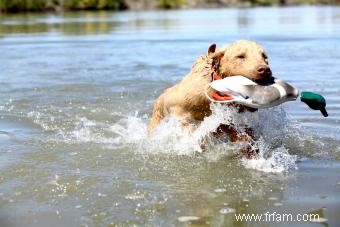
(215, 76)
(215, 94)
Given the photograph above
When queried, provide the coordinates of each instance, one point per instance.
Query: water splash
(270, 127)
(130, 130)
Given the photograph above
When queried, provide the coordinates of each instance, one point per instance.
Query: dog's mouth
(265, 81)
(222, 97)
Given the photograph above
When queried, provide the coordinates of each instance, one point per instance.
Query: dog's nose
(264, 70)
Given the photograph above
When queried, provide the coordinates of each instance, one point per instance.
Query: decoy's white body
(241, 90)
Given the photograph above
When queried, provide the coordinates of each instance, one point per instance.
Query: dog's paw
(250, 151)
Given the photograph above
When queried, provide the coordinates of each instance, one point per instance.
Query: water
(76, 95)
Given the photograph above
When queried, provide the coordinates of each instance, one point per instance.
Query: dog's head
(242, 57)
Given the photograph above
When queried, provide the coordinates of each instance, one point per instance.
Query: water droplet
(220, 190)
(227, 210)
(318, 220)
(188, 218)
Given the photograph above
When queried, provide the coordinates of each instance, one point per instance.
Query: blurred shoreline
(10, 6)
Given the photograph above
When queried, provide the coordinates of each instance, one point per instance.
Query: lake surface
(76, 96)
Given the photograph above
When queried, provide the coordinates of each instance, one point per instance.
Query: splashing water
(270, 127)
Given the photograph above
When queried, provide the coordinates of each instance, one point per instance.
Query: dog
(186, 100)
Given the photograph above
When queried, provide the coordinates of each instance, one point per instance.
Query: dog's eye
(241, 56)
(264, 56)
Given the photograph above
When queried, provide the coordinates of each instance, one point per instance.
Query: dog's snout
(263, 70)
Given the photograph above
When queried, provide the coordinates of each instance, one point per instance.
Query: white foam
(220, 190)
(269, 125)
(270, 128)
(271, 159)
(131, 129)
(227, 210)
(188, 218)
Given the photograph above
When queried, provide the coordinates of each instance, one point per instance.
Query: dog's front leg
(250, 150)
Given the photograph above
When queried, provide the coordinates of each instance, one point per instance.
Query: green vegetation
(264, 2)
(60, 5)
(168, 4)
(21, 5)
(41, 5)
(93, 4)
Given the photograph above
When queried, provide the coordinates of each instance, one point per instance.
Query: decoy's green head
(314, 101)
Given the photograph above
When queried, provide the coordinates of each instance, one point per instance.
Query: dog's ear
(211, 49)
(216, 57)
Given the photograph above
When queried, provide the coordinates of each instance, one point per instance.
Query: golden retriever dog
(186, 100)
